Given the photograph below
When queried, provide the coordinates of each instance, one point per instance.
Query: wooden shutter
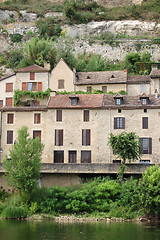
(1, 103)
(85, 156)
(123, 123)
(145, 122)
(32, 75)
(61, 137)
(9, 87)
(58, 156)
(141, 146)
(115, 123)
(37, 134)
(150, 145)
(9, 137)
(88, 137)
(10, 117)
(39, 88)
(59, 115)
(24, 86)
(37, 118)
(8, 102)
(86, 116)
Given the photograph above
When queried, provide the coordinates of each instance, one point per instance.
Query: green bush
(14, 212)
(16, 37)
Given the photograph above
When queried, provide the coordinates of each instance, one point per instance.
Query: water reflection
(50, 230)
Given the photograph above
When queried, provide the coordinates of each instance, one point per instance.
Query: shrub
(14, 212)
(16, 37)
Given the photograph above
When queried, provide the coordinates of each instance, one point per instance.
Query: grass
(85, 12)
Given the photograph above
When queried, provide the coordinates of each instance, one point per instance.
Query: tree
(127, 146)
(149, 191)
(22, 171)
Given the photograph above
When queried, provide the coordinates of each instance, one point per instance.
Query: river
(50, 230)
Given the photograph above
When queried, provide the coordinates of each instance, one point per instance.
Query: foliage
(14, 212)
(13, 58)
(33, 208)
(16, 37)
(48, 28)
(37, 50)
(130, 60)
(55, 201)
(127, 147)
(18, 94)
(149, 191)
(22, 171)
(122, 92)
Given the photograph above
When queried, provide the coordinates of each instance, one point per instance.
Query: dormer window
(118, 101)
(112, 76)
(144, 99)
(74, 99)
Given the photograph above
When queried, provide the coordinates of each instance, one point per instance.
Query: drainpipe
(109, 133)
(1, 138)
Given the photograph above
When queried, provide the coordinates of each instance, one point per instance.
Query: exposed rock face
(28, 17)
(5, 14)
(53, 14)
(113, 3)
(127, 27)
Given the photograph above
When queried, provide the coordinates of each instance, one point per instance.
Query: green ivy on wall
(18, 94)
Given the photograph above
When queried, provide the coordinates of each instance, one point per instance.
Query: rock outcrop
(127, 27)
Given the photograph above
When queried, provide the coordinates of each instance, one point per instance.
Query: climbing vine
(18, 94)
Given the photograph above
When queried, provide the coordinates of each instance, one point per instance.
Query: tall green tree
(127, 146)
(22, 171)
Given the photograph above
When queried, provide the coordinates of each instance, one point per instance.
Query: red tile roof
(101, 77)
(85, 101)
(7, 76)
(33, 68)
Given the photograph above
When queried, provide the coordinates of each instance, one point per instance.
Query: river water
(48, 230)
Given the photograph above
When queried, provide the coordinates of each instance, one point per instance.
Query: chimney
(52, 93)
(156, 93)
(154, 67)
(74, 70)
(47, 66)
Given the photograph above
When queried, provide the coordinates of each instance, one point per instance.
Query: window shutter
(115, 123)
(84, 137)
(150, 145)
(8, 102)
(39, 88)
(1, 103)
(10, 118)
(86, 116)
(9, 137)
(59, 116)
(123, 123)
(32, 75)
(88, 137)
(141, 148)
(145, 122)
(24, 86)
(61, 137)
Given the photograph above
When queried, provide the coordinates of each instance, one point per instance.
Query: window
(144, 161)
(73, 101)
(86, 136)
(146, 145)
(116, 161)
(85, 156)
(89, 89)
(145, 122)
(10, 117)
(58, 156)
(37, 118)
(145, 110)
(86, 115)
(33, 103)
(59, 115)
(9, 87)
(72, 156)
(37, 134)
(32, 75)
(118, 101)
(9, 137)
(31, 86)
(144, 101)
(1, 103)
(8, 102)
(119, 123)
(104, 89)
(119, 110)
(61, 84)
(58, 137)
